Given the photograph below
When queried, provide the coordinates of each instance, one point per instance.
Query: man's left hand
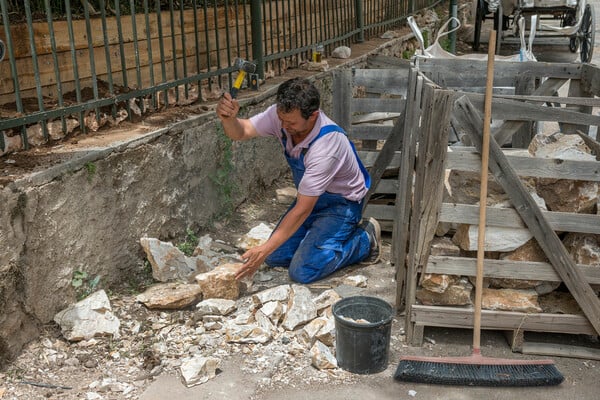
(254, 259)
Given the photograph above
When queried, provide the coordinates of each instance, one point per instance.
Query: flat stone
(215, 307)
(300, 309)
(277, 293)
(220, 282)
(198, 370)
(168, 262)
(170, 296)
(510, 300)
(321, 357)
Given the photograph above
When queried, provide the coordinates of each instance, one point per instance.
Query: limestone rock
(560, 146)
(321, 357)
(286, 195)
(170, 296)
(256, 236)
(220, 282)
(300, 309)
(510, 300)
(321, 329)
(585, 248)
(497, 238)
(88, 318)
(341, 52)
(559, 303)
(273, 310)
(530, 251)
(438, 283)
(326, 299)
(215, 307)
(443, 246)
(198, 370)
(168, 262)
(277, 293)
(458, 294)
(356, 280)
(246, 334)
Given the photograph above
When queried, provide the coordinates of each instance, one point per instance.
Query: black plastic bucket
(362, 339)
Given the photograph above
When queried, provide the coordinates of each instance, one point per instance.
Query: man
(320, 232)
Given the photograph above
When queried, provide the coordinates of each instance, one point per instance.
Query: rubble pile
(190, 323)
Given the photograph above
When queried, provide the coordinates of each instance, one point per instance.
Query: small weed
(191, 241)
(84, 285)
(90, 167)
(407, 54)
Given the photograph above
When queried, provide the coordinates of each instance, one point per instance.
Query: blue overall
(330, 238)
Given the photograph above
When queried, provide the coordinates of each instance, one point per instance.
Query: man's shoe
(373, 230)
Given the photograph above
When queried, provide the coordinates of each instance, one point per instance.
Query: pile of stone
(516, 244)
(221, 316)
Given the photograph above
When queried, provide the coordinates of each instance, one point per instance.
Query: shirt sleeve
(267, 123)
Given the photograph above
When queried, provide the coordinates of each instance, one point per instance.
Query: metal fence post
(257, 38)
(360, 20)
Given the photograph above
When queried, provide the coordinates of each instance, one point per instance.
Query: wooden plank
(467, 160)
(457, 72)
(576, 88)
(533, 217)
(380, 211)
(506, 269)
(582, 101)
(525, 84)
(513, 110)
(382, 81)
(370, 131)
(454, 317)
(590, 77)
(342, 108)
(369, 105)
(400, 234)
(380, 61)
(591, 143)
(560, 350)
(508, 128)
(509, 218)
(368, 158)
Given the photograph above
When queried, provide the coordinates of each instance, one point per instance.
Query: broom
(477, 370)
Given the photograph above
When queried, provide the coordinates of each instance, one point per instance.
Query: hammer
(243, 67)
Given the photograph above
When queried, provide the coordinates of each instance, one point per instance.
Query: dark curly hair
(298, 94)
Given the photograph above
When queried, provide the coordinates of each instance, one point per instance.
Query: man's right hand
(227, 107)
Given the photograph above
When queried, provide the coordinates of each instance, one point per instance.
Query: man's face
(295, 124)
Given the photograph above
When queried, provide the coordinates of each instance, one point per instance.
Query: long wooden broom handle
(485, 150)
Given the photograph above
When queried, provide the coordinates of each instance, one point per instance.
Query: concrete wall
(88, 213)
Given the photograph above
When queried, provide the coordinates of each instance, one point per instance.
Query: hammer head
(246, 66)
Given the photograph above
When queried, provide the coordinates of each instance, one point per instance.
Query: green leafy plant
(84, 284)
(90, 167)
(190, 243)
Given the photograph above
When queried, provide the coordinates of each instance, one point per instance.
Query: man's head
(298, 102)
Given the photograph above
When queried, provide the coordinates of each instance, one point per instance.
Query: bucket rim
(351, 323)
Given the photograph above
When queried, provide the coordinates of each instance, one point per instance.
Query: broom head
(478, 371)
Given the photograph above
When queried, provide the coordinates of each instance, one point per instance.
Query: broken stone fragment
(457, 294)
(246, 334)
(438, 283)
(215, 307)
(321, 357)
(256, 236)
(585, 248)
(173, 296)
(510, 300)
(564, 194)
(273, 310)
(278, 293)
(497, 238)
(300, 309)
(220, 282)
(198, 370)
(356, 281)
(443, 246)
(326, 299)
(321, 329)
(88, 318)
(168, 262)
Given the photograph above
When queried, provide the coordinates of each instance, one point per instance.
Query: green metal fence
(69, 65)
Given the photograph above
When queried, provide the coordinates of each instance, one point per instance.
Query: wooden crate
(520, 109)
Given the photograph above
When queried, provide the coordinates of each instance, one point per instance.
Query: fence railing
(71, 66)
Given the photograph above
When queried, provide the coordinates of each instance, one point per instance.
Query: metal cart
(572, 19)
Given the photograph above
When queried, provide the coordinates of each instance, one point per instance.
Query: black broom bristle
(478, 375)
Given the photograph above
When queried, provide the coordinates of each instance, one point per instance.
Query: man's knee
(303, 274)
